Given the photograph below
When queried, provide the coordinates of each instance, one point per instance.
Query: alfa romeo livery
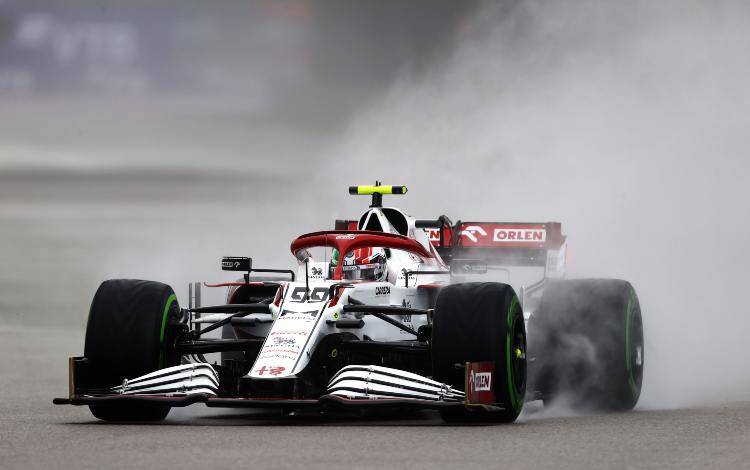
(385, 311)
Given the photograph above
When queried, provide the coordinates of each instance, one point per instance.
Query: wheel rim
(635, 351)
(518, 357)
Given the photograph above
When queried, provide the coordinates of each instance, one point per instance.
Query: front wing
(353, 387)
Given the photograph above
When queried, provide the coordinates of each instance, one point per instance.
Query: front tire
(477, 322)
(127, 336)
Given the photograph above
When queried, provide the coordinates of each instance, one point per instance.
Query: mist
(149, 139)
(625, 121)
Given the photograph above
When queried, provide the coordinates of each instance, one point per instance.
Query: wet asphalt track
(36, 434)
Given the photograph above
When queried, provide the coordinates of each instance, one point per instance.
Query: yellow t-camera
(367, 190)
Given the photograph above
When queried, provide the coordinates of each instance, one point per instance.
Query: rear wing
(498, 244)
(503, 244)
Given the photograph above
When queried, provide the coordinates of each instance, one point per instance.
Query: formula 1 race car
(386, 311)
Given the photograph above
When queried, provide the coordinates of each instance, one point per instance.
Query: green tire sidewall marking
(511, 385)
(631, 380)
(171, 299)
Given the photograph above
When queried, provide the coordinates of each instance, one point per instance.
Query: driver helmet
(366, 264)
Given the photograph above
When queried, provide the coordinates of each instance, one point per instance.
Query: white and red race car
(386, 311)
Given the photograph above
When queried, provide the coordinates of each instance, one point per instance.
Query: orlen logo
(523, 235)
(433, 234)
(471, 232)
(480, 381)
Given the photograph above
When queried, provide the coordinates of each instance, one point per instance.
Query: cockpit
(367, 256)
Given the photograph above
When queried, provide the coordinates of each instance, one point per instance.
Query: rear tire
(475, 322)
(127, 336)
(588, 341)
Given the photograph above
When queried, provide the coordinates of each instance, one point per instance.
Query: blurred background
(147, 139)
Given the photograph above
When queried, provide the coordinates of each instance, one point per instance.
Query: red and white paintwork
(301, 322)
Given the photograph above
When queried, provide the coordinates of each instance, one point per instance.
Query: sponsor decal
(274, 370)
(318, 294)
(280, 349)
(472, 231)
(284, 341)
(336, 315)
(383, 290)
(415, 258)
(433, 234)
(402, 275)
(345, 237)
(359, 267)
(479, 387)
(296, 317)
(236, 263)
(523, 235)
(491, 234)
(480, 381)
(300, 333)
(305, 316)
(277, 355)
(406, 319)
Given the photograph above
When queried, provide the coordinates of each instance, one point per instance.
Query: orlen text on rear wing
(499, 244)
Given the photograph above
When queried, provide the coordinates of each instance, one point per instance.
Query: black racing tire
(588, 343)
(127, 336)
(476, 322)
